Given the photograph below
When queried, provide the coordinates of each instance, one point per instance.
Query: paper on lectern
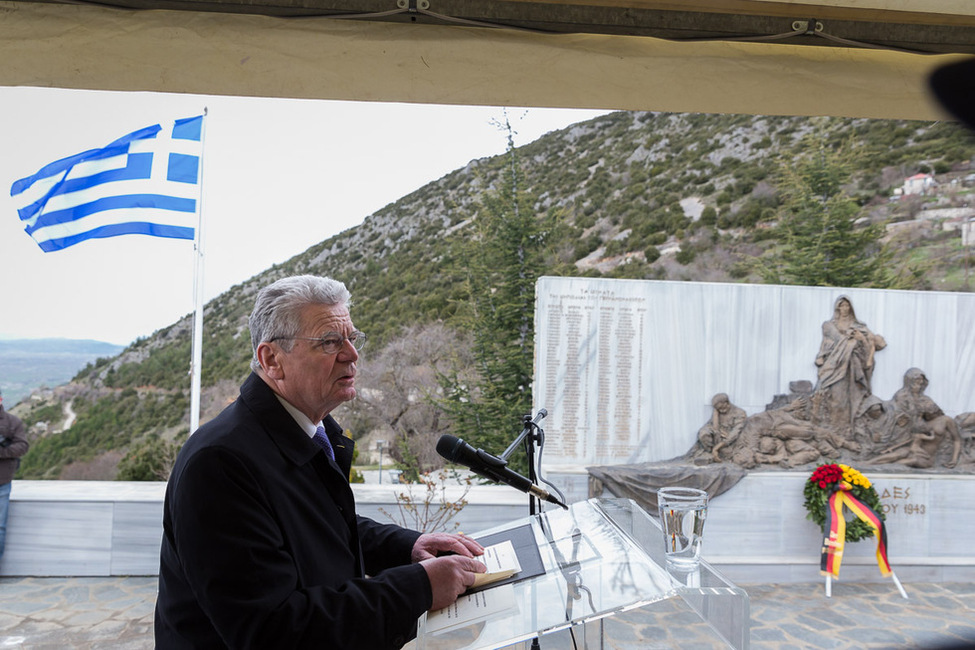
(471, 608)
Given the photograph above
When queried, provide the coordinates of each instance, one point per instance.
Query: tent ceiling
(679, 56)
(943, 26)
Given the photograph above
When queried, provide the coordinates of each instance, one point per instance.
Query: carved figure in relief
(845, 361)
(788, 437)
(928, 428)
(724, 427)
(775, 438)
(966, 428)
(877, 425)
(785, 453)
(922, 449)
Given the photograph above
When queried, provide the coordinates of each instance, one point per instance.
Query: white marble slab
(102, 528)
(758, 531)
(111, 491)
(755, 533)
(52, 538)
(136, 537)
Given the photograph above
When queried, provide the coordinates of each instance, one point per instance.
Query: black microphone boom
(490, 467)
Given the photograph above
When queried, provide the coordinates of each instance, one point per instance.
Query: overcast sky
(279, 176)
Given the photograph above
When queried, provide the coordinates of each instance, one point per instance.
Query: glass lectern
(592, 577)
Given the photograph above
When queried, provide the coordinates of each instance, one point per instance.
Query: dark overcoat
(262, 546)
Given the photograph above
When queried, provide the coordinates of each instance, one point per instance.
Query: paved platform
(116, 613)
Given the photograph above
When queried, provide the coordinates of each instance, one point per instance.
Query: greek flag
(144, 183)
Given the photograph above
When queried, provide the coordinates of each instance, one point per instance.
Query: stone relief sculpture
(840, 418)
(845, 361)
(837, 419)
(877, 425)
(966, 428)
(928, 431)
(782, 436)
(786, 437)
(723, 429)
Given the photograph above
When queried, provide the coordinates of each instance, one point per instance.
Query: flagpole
(197, 345)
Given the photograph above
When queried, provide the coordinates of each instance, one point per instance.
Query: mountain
(29, 364)
(628, 194)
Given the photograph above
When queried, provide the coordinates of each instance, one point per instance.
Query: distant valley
(28, 364)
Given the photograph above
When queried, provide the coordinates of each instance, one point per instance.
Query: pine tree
(500, 264)
(822, 243)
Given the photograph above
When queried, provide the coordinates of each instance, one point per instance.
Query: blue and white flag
(145, 183)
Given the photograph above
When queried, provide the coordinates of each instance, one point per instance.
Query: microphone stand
(531, 434)
(572, 573)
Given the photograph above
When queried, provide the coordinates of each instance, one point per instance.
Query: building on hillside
(918, 184)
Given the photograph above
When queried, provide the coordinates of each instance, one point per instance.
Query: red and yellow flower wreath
(832, 489)
(827, 480)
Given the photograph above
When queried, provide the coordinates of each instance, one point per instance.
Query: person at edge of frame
(13, 446)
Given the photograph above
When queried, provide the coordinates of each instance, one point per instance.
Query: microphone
(490, 467)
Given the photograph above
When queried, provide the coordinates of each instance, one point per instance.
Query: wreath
(830, 477)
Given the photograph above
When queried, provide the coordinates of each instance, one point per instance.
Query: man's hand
(450, 576)
(431, 545)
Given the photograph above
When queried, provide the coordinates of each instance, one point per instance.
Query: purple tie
(323, 442)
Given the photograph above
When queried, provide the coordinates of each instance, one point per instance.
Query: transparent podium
(592, 577)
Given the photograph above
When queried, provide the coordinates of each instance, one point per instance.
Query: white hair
(277, 310)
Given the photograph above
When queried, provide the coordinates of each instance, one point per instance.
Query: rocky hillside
(636, 195)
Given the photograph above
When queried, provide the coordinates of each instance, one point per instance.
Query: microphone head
(447, 446)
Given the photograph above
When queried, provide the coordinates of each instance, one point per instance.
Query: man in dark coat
(262, 546)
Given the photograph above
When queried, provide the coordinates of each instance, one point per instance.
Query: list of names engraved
(590, 369)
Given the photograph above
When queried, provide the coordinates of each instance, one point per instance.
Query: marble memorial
(744, 389)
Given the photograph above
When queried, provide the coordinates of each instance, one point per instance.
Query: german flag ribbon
(834, 530)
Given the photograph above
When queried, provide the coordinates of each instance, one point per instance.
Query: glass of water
(682, 514)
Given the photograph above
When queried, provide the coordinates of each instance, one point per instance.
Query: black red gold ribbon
(834, 530)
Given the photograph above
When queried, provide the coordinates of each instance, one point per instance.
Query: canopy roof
(867, 58)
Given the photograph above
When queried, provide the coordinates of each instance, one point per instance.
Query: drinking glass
(682, 514)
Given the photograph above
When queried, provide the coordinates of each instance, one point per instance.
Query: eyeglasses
(331, 342)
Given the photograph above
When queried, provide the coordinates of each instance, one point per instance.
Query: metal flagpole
(197, 345)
